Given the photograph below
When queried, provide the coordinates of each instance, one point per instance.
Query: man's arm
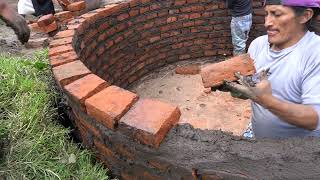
(300, 115)
(15, 21)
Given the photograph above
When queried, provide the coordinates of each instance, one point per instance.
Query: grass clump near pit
(32, 144)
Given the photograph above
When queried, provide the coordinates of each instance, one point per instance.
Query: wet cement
(219, 154)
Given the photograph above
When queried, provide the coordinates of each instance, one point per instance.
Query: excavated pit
(108, 51)
(215, 110)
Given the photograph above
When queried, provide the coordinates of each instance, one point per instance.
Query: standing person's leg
(43, 7)
(240, 28)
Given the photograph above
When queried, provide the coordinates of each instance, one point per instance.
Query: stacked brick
(49, 23)
(105, 50)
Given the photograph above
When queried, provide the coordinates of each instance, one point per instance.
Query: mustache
(272, 29)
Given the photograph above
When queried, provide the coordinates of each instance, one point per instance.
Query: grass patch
(34, 145)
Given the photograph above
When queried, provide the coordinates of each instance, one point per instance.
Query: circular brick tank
(103, 51)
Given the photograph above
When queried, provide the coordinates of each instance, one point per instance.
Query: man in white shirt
(287, 102)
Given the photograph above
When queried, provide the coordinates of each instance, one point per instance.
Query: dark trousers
(43, 7)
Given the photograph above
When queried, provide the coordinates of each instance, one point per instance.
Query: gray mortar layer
(218, 153)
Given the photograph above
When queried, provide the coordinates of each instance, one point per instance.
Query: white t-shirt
(25, 7)
(295, 77)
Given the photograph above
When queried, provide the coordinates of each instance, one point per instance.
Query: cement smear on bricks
(219, 153)
(211, 152)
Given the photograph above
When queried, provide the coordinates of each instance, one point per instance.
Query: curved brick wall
(105, 50)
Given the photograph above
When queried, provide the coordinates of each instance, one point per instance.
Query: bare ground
(215, 110)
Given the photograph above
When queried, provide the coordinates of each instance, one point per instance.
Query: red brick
(63, 58)
(85, 87)
(34, 27)
(214, 74)
(152, 15)
(154, 39)
(188, 69)
(122, 16)
(45, 20)
(195, 15)
(114, 8)
(64, 34)
(109, 105)
(46, 29)
(110, 6)
(192, 1)
(76, 6)
(179, 2)
(171, 19)
(144, 9)
(102, 12)
(60, 49)
(62, 41)
(149, 121)
(90, 17)
(133, 12)
(197, 8)
(185, 9)
(155, 6)
(188, 23)
(134, 3)
(67, 73)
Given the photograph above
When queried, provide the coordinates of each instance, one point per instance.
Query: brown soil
(214, 110)
(9, 44)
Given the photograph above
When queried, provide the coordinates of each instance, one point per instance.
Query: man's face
(282, 26)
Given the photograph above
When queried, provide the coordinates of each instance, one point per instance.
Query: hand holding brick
(213, 75)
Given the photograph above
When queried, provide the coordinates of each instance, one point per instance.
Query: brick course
(117, 45)
(109, 105)
(149, 121)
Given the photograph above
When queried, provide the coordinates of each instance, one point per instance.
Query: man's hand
(256, 87)
(15, 21)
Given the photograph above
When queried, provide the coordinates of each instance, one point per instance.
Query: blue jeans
(240, 28)
(248, 133)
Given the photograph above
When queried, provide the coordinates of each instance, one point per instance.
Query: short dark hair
(310, 25)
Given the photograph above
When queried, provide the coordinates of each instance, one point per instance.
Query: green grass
(34, 145)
